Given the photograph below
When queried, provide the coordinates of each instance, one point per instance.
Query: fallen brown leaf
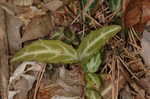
(62, 83)
(136, 14)
(53, 5)
(133, 17)
(13, 30)
(125, 93)
(146, 47)
(4, 66)
(144, 83)
(38, 27)
(22, 2)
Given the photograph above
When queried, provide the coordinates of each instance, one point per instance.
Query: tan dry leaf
(23, 79)
(53, 5)
(13, 33)
(146, 11)
(30, 13)
(146, 47)
(23, 2)
(38, 27)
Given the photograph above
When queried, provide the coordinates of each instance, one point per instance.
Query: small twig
(128, 68)
(135, 33)
(39, 80)
(113, 68)
(75, 19)
(87, 15)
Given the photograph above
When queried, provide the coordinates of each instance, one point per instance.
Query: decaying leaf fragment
(137, 14)
(53, 5)
(146, 47)
(63, 84)
(23, 2)
(38, 27)
(13, 30)
(23, 79)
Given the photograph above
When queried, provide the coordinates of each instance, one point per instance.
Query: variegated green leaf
(47, 51)
(95, 40)
(92, 94)
(93, 64)
(92, 81)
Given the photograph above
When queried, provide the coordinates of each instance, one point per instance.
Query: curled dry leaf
(38, 27)
(53, 5)
(22, 81)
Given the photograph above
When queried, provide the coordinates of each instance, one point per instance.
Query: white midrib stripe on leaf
(65, 49)
(68, 53)
(95, 41)
(35, 53)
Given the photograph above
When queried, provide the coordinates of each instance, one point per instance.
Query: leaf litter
(125, 58)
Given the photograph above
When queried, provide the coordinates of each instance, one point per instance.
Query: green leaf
(47, 51)
(95, 40)
(93, 81)
(92, 94)
(115, 5)
(93, 64)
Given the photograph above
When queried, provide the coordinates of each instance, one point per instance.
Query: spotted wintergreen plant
(92, 65)
(55, 51)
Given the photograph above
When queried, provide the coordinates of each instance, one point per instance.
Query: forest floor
(123, 67)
